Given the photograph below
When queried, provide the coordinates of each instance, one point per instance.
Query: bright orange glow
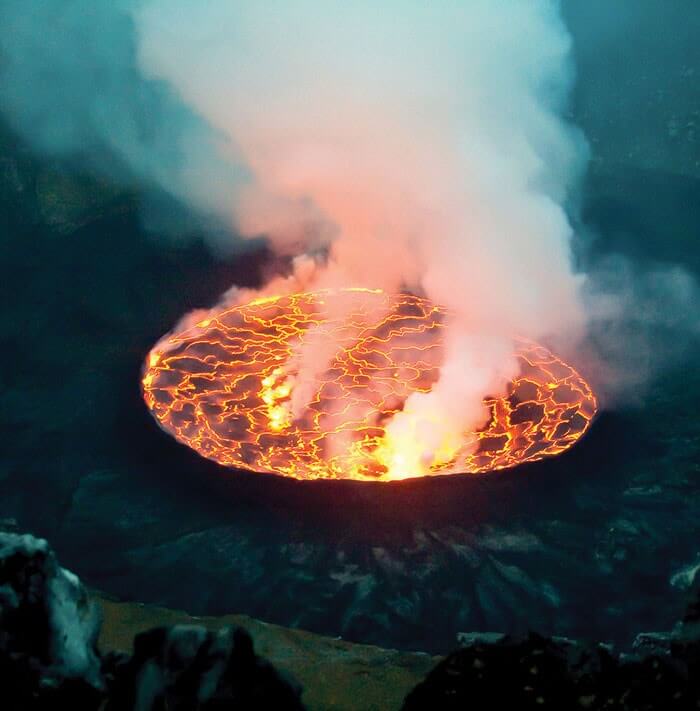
(224, 387)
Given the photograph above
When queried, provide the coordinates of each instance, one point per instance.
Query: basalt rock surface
(48, 630)
(534, 672)
(188, 667)
(49, 657)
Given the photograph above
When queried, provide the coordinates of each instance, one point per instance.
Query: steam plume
(398, 144)
(421, 144)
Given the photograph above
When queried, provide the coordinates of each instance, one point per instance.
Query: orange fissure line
(224, 387)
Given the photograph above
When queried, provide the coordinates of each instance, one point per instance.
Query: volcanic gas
(225, 386)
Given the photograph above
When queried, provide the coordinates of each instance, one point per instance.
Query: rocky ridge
(59, 648)
(49, 656)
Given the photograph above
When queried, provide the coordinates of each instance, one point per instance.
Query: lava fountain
(226, 385)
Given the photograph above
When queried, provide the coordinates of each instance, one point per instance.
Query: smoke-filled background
(413, 146)
(419, 146)
(531, 165)
(395, 145)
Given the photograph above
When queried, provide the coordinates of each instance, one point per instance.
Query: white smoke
(641, 320)
(390, 144)
(420, 144)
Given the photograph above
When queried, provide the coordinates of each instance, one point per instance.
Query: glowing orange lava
(225, 387)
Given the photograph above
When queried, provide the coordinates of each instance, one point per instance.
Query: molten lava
(226, 388)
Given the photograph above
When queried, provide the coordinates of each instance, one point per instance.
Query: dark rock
(8, 525)
(49, 657)
(684, 577)
(652, 642)
(48, 630)
(692, 613)
(469, 639)
(685, 640)
(187, 667)
(520, 673)
(11, 181)
(533, 672)
(66, 201)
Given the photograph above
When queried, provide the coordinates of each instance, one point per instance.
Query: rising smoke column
(418, 145)
(388, 143)
(382, 144)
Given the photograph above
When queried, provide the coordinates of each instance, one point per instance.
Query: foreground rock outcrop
(53, 655)
(49, 657)
(189, 667)
(533, 672)
(336, 675)
(48, 631)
